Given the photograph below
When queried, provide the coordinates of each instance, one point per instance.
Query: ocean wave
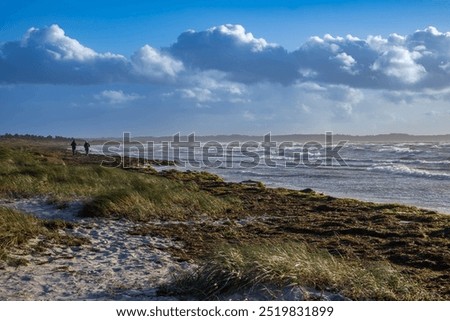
(389, 162)
(395, 149)
(422, 161)
(380, 162)
(408, 171)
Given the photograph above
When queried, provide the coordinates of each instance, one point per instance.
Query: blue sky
(97, 68)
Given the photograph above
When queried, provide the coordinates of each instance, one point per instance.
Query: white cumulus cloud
(400, 63)
(238, 33)
(231, 49)
(150, 62)
(48, 55)
(347, 62)
(54, 41)
(116, 97)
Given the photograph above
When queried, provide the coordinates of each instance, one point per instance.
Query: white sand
(114, 266)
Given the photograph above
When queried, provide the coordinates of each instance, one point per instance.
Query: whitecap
(408, 171)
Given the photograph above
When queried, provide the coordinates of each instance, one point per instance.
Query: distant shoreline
(300, 138)
(376, 138)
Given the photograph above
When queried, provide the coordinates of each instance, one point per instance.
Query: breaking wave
(408, 171)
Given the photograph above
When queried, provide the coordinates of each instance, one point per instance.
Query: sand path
(113, 266)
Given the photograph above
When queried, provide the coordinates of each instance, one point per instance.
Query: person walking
(86, 147)
(74, 146)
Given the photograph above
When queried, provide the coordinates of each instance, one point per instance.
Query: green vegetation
(108, 191)
(17, 229)
(143, 198)
(233, 269)
(34, 137)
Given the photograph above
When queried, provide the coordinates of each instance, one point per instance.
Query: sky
(100, 68)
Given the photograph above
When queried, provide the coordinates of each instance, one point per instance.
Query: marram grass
(165, 200)
(17, 229)
(108, 192)
(236, 268)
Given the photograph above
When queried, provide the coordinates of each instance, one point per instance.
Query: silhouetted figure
(74, 146)
(86, 147)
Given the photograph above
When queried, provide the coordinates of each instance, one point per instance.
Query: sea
(392, 172)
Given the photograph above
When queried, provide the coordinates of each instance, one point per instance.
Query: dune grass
(25, 173)
(232, 269)
(108, 192)
(17, 229)
(156, 198)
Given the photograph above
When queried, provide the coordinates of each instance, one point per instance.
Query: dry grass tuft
(164, 199)
(235, 268)
(17, 229)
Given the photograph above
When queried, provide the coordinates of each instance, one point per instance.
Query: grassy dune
(236, 268)
(17, 229)
(108, 192)
(241, 235)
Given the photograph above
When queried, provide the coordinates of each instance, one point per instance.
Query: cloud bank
(420, 60)
(49, 56)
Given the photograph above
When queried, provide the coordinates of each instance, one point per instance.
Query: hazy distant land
(298, 138)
